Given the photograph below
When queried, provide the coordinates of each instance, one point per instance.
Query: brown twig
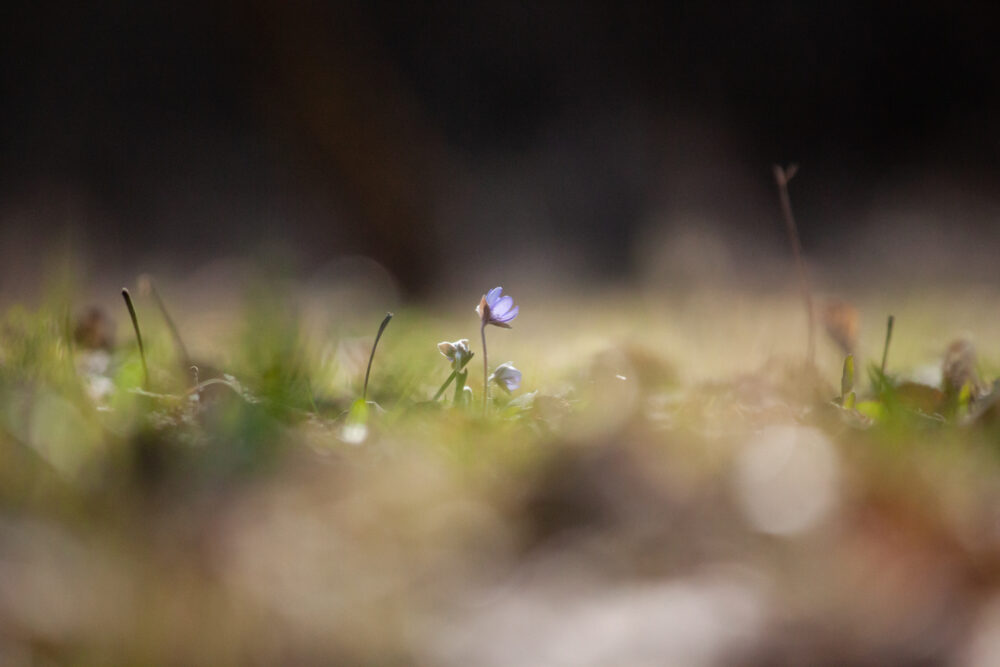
(782, 176)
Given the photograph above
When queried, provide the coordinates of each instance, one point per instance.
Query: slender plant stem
(138, 336)
(174, 333)
(781, 177)
(486, 367)
(888, 337)
(454, 374)
(368, 372)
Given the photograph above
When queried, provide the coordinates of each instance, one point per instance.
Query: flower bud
(458, 353)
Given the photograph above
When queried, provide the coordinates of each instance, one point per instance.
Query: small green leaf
(873, 409)
(964, 398)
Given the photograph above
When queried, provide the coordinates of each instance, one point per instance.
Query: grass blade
(368, 372)
(138, 335)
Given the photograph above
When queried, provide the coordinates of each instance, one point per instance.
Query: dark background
(443, 138)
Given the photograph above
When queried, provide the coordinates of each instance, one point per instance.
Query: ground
(672, 483)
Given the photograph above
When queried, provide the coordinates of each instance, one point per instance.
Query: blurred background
(670, 485)
(569, 141)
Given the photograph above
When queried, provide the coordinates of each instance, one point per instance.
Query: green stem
(138, 336)
(460, 387)
(368, 372)
(486, 368)
(454, 374)
(457, 373)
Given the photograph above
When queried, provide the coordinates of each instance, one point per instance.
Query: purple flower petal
(492, 296)
(507, 316)
(513, 380)
(500, 308)
(507, 377)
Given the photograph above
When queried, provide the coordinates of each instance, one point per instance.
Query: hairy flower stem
(138, 336)
(368, 372)
(781, 177)
(486, 367)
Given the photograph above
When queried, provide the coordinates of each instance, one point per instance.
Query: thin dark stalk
(368, 372)
(486, 367)
(781, 177)
(888, 337)
(138, 336)
(178, 341)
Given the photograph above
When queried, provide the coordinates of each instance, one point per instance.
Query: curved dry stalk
(782, 176)
(138, 335)
(368, 372)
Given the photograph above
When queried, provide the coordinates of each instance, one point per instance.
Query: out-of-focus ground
(672, 487)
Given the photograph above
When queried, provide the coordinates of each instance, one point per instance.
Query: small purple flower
(508, 377)
(496, 309)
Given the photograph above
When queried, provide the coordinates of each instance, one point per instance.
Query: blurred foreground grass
(670, 486)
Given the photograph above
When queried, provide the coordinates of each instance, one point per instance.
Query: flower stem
(454, 374)
(460, 387)
(381, 328)
(486, 368)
